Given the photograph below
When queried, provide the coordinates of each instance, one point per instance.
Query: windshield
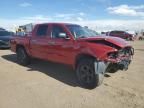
(81, 32)
(4, 33)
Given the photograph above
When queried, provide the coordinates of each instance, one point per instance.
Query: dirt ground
(49, 85)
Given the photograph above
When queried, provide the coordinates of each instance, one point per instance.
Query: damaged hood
(106, 39)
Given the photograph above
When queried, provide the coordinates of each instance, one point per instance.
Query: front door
(61, 48)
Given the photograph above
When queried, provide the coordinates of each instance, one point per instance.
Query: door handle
(51, 43)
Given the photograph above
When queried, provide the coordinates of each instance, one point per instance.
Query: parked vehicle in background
(2, 29)
(24, 29)
(121, 34)
(141, 36)
(89, 54)
(5, 37)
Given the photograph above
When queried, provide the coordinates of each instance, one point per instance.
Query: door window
(56, 30)
(42, 30)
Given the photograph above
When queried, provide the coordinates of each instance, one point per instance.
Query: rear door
(39, 42)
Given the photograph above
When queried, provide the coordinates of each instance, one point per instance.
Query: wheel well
(82, 56)
(19, 46)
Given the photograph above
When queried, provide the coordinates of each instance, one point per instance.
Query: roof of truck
(60, 23)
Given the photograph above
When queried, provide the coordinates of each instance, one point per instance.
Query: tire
(140, 38)
(22, 57)
(86, 75)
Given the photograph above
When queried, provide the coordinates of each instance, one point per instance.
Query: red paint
(121, 34)
(66, 50)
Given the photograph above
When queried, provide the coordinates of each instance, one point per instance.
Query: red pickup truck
(121, 34)
(90, 55)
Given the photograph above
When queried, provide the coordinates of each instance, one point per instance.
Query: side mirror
(63, 35)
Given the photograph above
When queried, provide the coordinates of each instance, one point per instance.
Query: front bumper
(112, 65)
(121, 62)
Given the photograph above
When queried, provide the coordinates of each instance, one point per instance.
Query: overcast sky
(99, 14)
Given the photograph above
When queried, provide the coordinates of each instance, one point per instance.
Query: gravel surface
(49, 85)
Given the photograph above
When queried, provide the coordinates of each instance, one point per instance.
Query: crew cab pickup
(89, 55)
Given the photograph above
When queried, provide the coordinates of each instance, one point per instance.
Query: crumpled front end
(120, 60)
(114, 52)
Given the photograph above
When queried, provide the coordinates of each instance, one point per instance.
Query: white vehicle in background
(25, 29)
